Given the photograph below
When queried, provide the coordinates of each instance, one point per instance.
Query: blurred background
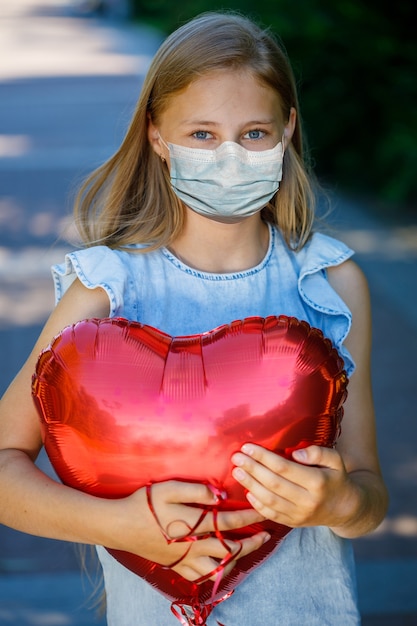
(355, 62)
(70, 74)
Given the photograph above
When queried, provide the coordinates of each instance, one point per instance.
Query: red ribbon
(196, 614)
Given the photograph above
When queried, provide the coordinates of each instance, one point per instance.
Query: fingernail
(238, 459)
(238, 473)
(266, 538)
(300, 455)
(247, 449)
(251, 499)
(218, 494)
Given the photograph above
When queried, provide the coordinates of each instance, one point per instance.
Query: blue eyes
(202, 134)
(251, 135)
(255, 134)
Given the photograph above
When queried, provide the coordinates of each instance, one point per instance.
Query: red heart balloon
(123, 404)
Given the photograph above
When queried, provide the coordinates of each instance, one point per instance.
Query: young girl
(204, 216)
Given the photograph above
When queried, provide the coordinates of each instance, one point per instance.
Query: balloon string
(190, 536)
(230, 556)
(200, 611)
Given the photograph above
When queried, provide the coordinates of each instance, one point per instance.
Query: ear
(290, 127)
(154, 138)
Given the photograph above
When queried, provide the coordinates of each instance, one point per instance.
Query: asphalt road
(68, 85)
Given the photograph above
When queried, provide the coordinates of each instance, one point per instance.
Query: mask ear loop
(161, 156)
(284, 147)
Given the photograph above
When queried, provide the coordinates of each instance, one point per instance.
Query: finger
(319, 456)
(253, 458)
(274, 498)
(205, 558)
(187, 572)
(251, 453)
(272, 492)
(225, 521)
(205, 569)
(310, 455)
(233, 520)
(280, 477)
(247, 546)
(184, 520)
(250, 544)
(189, 493)
(187, 517)
(284, 491)
(227, 550)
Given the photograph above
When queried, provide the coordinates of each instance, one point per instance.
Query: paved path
(68, 85)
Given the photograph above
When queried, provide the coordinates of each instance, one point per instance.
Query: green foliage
(355, 63)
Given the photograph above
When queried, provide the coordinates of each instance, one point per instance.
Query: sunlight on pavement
(26, 287)
(14, 145)
(49, 39)
(29, 262)
(29, 306)
(47, 47)
(401, 525)
(393, 243)
(35, 618)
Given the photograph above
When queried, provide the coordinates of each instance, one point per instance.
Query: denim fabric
(158, 289)
(310, 579)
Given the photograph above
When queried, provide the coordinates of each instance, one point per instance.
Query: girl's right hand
(171, 501)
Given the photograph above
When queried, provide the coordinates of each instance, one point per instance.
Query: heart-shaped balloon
(123, 405)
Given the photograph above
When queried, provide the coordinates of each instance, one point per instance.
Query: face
(225, 105)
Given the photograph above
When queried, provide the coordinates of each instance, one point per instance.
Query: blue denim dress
(310, 578)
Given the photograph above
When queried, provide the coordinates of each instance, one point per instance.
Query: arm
(26, 491)
(341, 488)
(34, 503)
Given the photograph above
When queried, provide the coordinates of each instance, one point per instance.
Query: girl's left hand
(313, 490)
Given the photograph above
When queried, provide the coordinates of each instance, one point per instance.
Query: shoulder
(94, 258)
(77, 303)
(96, 267)
(343, 274)
(321, 252)
(349, 281)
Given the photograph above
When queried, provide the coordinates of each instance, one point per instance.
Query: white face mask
(229, 181)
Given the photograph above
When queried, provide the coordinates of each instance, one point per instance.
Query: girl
(191, 216)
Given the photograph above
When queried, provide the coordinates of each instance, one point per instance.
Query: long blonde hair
(129, 199)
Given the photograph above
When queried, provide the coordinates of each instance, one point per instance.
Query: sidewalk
(67, 87)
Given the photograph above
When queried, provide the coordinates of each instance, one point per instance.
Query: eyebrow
(191, 122)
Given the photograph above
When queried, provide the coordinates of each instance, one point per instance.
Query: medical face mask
(229, 181)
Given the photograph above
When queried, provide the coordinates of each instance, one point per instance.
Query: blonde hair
(129, 199)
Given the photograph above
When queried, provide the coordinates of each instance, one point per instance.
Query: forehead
(224, 93)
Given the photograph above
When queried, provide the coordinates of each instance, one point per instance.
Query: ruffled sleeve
(98, 266)
(336, 318)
